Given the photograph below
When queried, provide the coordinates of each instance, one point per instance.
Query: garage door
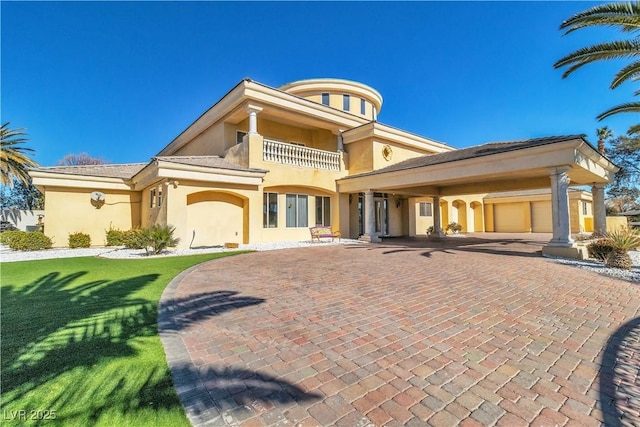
(541, 221)
(508, 218)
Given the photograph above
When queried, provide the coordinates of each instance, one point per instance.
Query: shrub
(622, 241)
(454, 227)
(160, 237)
(599, 249)
(29, 241)
(134, 239)
(7, 236)
(115, 237)
(79, 240)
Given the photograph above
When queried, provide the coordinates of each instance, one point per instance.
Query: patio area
(467, 331)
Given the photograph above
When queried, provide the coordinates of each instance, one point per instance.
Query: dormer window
(325, 98)
(346, 102)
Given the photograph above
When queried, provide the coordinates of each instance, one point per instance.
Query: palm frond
(630, 72)
(624, 15)
(629, 107)
(14, 159)
(635, 129)
(599, 52)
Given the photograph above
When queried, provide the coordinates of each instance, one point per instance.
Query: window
(325, 98)
(270, 210)
(363, 106)
(346, 102)
(155, 197)
(297, 210)
(585, 208)
(323, 210)
(239, 136)
(426, 209)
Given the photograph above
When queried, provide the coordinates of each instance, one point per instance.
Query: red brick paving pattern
(466, 332)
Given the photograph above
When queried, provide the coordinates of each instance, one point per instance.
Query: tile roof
(469, 153)
(216, 162)
(123, 171)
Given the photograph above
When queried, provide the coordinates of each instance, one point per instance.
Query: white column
(599, 211)
(560, 207)
(437, 221)
(253, 121)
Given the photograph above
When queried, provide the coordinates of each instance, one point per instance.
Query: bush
(600, 249)
(134, 239)
(454, 227)
(79, 240)
(160, 237)
(7, 236)
(115, 237)
(28, 241)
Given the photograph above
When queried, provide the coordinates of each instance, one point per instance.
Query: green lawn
(79, 337)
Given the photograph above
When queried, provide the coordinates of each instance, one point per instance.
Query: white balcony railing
(281, 152)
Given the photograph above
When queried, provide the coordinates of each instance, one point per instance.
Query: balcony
(291, 154)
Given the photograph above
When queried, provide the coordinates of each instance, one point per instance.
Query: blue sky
(120, 80)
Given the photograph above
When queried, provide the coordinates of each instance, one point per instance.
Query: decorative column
(599, 211)
(560, 207)
(437, 221)
(369, 218)
(253, 119)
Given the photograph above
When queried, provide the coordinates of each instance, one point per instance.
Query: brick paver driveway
(468, 332)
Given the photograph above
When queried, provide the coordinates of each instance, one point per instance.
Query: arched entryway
(215, 218)
(477, 219)
(459, 213)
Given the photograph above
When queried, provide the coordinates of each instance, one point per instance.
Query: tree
(624, 151)
(21, 196)
(80, 160)
(604, 134)
(14, 158)
(626, 17)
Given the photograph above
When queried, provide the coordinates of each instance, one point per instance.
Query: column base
(371, 239)
(565, 251)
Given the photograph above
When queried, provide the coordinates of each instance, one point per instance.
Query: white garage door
(541, 221)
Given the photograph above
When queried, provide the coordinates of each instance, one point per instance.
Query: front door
(381, 213)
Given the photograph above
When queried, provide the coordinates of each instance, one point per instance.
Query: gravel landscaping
(8, 255)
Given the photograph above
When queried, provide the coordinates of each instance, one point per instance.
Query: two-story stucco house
(264, 164)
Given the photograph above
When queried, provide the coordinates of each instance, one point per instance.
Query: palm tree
(14, 160)
(604, 133)
(626, 17)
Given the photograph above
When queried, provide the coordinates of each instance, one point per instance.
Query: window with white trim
(325, 98)
(152, 198)
(323, 210)
(363, 106)
(426, 209)
(270, 210)
(297, 210)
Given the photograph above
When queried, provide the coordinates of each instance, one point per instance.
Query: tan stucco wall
(69, 210)
(194, 206)
(320, 139)
(211, 142)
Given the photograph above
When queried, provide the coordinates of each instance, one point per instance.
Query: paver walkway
(466, 332)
